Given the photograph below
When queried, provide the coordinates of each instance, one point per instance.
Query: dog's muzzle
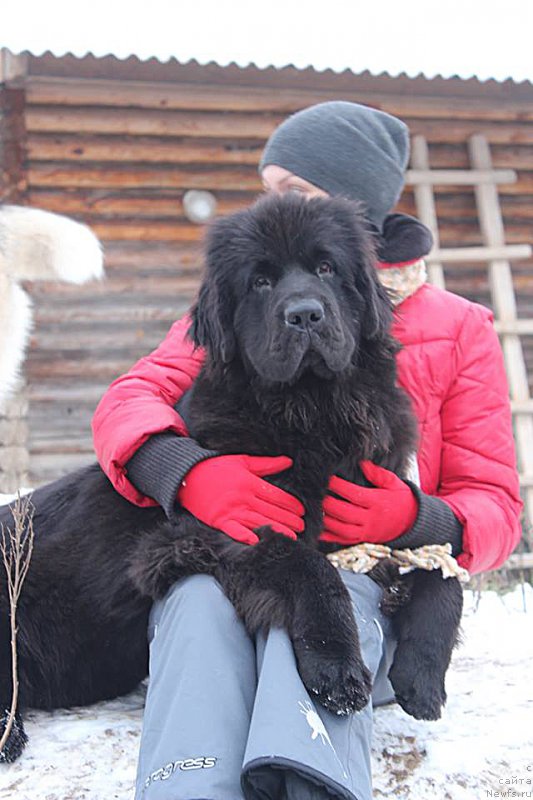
(308, 334)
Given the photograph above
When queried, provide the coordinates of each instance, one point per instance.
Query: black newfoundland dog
(300, 361)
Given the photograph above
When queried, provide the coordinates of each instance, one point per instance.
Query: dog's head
(290, 287)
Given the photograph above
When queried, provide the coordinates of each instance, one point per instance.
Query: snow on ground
(482, 746)
(485, 736)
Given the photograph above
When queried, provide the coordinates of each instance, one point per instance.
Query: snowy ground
(484, 739)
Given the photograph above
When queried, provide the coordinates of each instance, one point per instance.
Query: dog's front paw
(163, 556)
(16, 741)
(339, 681)
(418, 683)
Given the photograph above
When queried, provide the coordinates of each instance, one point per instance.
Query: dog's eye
(324, 268)
(260, 282)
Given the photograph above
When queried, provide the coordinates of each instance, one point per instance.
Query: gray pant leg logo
(164, 773)
(318, 729)
(315, 723)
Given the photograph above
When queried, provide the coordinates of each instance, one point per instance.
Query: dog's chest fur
(326, 427)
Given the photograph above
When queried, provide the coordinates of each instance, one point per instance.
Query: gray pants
(228, 717)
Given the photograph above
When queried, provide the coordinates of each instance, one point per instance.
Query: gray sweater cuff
(160, 464)
(435, 524)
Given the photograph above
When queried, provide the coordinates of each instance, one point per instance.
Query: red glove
(226, 492)
(367, 514)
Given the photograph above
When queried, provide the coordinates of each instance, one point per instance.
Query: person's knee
(195, 586)
(197, 598)
(366, 596)
(362, 589)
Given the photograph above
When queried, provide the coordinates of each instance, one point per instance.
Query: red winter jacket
(452, 367)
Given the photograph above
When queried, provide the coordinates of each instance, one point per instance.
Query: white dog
(36, 245)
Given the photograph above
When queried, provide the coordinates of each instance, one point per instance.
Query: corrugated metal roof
(251, 65)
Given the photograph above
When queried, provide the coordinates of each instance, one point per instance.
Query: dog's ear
(212, 320)
(377, 317)
(212, 314)
(362, 240)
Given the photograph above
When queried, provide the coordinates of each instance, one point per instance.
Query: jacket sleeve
(479, 480)
(140, 405)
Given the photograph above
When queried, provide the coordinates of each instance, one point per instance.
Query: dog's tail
(39, 245)
(36, 245)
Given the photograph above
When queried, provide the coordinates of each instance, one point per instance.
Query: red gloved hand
(367, 514)
(226, 492)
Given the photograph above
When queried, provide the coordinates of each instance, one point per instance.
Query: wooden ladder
(497, 255)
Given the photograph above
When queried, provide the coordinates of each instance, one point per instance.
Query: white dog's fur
(36, 245)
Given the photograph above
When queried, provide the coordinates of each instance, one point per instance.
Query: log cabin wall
(115, 144)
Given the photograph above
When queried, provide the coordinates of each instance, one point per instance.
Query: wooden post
(12, 143)
(12, 66)
(425, 205)
(504, 304)
(14, 457)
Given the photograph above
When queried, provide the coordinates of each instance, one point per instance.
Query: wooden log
(457, 132)
(169, 285)
(67, 339)
(158, 231)
(138, 307)
(153, 203)
(124, 177)
(150, 122)
(73, 147)
(460, 204)
(44, 396)
(127, 295)
(138, 314)
(157, 264)
(480, 284)
(146, 149)
(241, 126)
(45, 441)
(46, 467)
(454, 234)
(182, 95)
(446, 156)
(96, 369)
(101, 203)
(66, 422)
(136, 177)
(147, 201)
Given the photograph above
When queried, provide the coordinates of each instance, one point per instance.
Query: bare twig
(16, 547)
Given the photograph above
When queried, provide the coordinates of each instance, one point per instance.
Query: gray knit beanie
(345, 149)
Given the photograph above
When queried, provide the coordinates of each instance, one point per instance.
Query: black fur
(320, 388)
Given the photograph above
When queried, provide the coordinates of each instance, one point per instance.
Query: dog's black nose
(304, 314)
